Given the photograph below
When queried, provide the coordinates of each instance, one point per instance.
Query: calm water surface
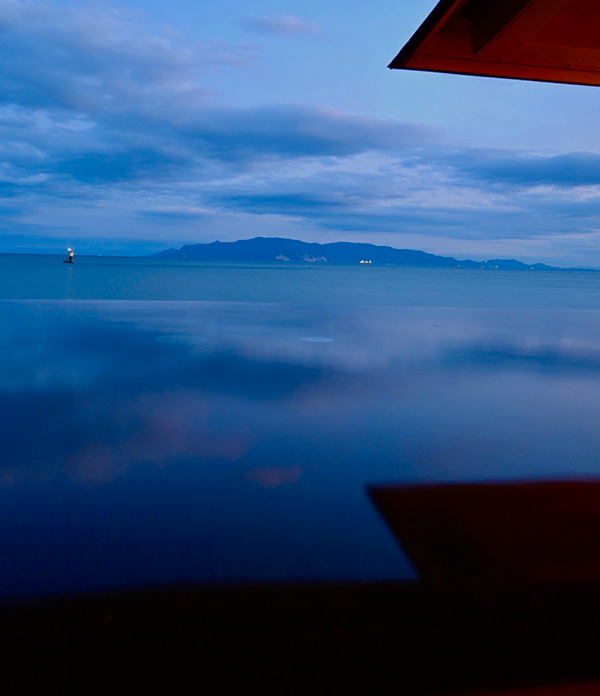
(166, 421)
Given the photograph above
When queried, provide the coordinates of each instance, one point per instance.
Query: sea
(168, 422)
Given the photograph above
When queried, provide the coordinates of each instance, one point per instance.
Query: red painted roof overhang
(546, 40)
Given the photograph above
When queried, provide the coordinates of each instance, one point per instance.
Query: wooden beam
(428, 32)
(497, 42)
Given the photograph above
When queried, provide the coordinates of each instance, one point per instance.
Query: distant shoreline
(282, 250)
(252, 251)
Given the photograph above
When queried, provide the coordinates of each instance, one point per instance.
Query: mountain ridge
(343, 253)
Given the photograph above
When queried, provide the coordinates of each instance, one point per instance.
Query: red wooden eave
(544, 40)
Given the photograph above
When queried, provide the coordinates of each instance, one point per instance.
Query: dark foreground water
(166, 422)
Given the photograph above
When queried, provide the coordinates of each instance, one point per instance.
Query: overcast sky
(129, 127)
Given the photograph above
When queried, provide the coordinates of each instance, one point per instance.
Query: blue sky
(128, 127)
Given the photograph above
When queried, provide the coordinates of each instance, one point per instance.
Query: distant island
(280, 250)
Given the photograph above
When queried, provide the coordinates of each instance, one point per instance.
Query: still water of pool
(150, 442)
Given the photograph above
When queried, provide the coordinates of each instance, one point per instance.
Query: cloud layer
(120, 135)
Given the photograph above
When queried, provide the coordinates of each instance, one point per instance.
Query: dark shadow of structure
(509, 599)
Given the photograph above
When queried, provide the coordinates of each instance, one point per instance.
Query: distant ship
(365, 261)
(71, 257)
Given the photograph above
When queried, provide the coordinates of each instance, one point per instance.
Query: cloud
(117, 102)
(206, 388)
(120, 132)
(118, 166)
(177, 213)
(156, 409)
(527, 170)
(544, 357)
(282, 25)
(421, 190)
(293, 131)
(100, 60)
(510, 170)
(301, 204)
(183, 142)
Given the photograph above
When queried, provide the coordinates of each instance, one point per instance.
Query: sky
(131, 127)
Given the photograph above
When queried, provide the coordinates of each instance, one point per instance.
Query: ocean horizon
(43, 276)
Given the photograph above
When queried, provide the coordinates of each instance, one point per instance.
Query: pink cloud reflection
(274, 476)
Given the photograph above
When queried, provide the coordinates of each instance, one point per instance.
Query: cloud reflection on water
(110, 387)
(246, 454)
